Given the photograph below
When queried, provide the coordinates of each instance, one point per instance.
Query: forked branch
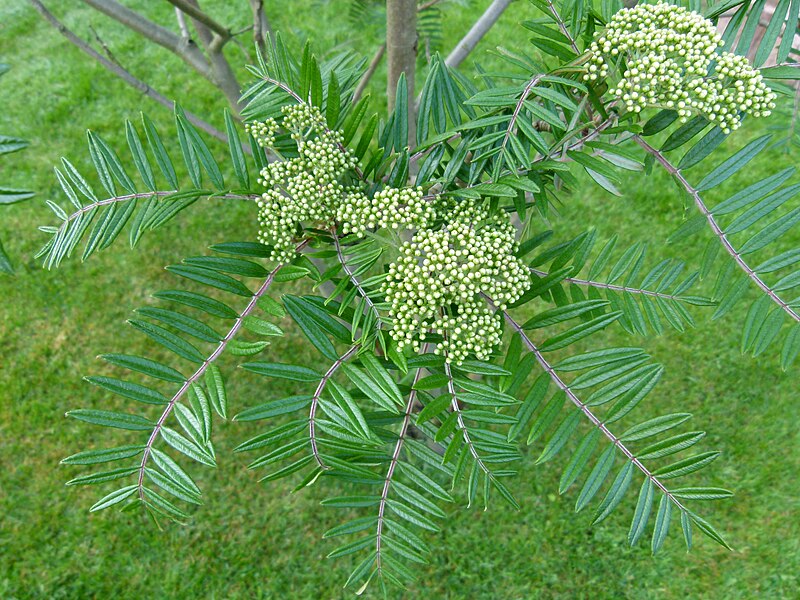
(126, 75)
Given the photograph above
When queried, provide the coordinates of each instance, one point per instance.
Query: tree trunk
(401, 54)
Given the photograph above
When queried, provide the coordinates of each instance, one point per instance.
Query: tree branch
(373, 66)
(183, 48)
(712, 222)
(126, 75)
(261, 26)
(223, 75)
(312, 413)
(476, 33)
(181, 18)
(196, 14)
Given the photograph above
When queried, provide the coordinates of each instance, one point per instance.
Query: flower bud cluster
(301, 189)
(392, 208)
(437, 282)
(312, 187)
(667, 57)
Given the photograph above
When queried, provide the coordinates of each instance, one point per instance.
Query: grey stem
(126, 75)
(183, 48)
(312, 413)
(223, 343)
(712, 222)
(476, 33)
(373, 66)
(401, 438)
(223, 75)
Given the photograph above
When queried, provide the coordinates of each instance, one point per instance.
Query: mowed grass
(251, 540)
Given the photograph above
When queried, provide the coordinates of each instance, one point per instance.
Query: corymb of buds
(667, 57)
(440, 278)
(313, 187)
(390, 208)
(301, 189)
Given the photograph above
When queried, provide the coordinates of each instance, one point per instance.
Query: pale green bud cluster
(302, 189)
(391, 208)
(666, 55)
(436, 284)
(311, 187)
(263, 132)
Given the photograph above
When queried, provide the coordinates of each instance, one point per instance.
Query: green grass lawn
(251, 540)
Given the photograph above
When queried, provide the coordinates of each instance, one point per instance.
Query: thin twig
(609, 286)
(712, 222)
(223, 343)
(312, 413)
(427, 5)
(194, 12)
(401, 438)
(353, 279)
(373, 66)
(476, 33)
(127, 76)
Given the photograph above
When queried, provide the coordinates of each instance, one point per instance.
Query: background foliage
(249, 541)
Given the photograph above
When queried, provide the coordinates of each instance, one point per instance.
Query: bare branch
(223, 75)
(373, 66)
(476, 33)
(182, 23)
(427, 5)
(126, 75)
(183, 48)
(712, 222)
(194, 12)
(261, 26)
